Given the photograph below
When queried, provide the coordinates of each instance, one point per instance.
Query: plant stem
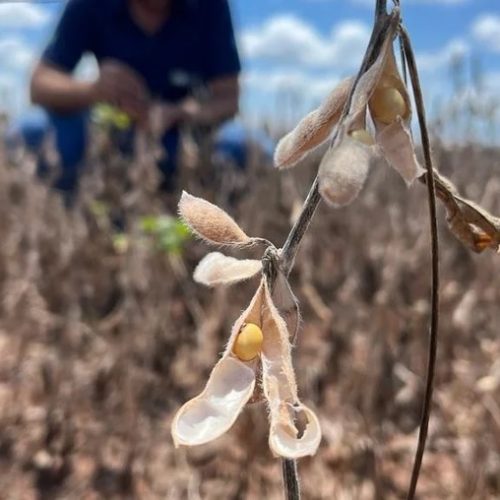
(433, 333)
(384, 25)
(298, 230)
(403, 61)
(380, 8)
(290, 479)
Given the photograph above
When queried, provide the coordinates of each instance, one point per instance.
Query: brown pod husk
(230, 386)
(294, 428)
(217, 269)
(210, 222)
(314, 129)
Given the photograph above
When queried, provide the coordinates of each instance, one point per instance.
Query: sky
(295, 51)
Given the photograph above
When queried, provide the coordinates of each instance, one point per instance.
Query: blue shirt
(195, 45)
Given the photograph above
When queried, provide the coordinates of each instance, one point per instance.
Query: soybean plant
(365, 117)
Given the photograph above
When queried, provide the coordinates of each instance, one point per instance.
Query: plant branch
(383, 25)
(380, 9)
(300, 227)
(433, 333)
(403, 62)
(290, 479)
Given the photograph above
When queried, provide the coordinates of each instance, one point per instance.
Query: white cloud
(7, 81)
(492, 83)
(287, 39)
(486, 29)
(314, 87)
(22, 15)
(13, 92)
(15, 54)
(441, 58)
(283, 96)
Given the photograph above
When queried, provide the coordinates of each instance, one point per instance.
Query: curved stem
(433, 333)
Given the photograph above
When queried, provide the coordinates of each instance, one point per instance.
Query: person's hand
(190, 110)
(120, 86)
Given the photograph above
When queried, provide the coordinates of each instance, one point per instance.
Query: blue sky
(294, 51)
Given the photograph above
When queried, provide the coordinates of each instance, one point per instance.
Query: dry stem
(383, 25)
(433, 333)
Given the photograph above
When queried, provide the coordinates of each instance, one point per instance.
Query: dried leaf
(218, 269)
(481, 218)
(210, 222)
(314, 129)
(471, 236)
(229, 388)
(471, 224)
(294, 428)
(397, 147)
(343, 171)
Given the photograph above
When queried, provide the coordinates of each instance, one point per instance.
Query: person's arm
(219, 67)
(117, 84)
(59, 91)
(52, 84)
(221, 104)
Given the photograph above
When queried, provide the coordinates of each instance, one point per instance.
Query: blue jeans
(71, 141)
(70, 133)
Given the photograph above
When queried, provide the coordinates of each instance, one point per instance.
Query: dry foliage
(101, 342)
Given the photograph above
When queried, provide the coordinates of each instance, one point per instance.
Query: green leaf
(169, 232)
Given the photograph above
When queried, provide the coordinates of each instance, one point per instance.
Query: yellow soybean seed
(387, 104)
(248, 343)
(363, 136)
(388, 80)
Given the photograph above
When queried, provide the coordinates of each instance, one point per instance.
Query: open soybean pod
(390, 110)
(294, 430)
(382, 89)
(230, 386)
